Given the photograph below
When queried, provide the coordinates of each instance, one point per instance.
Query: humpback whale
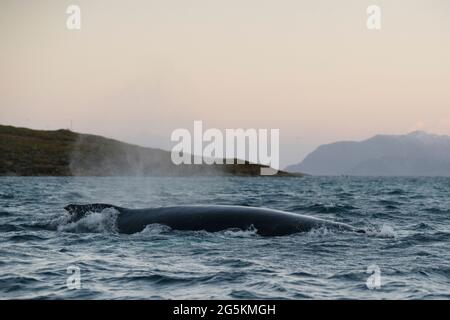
(211, 218)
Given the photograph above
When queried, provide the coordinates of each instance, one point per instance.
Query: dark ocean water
(408, 223)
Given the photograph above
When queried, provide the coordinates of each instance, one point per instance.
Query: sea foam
(98, 222)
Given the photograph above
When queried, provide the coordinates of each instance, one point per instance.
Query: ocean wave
(422, 226)
(438, 211)
(5, 214)
(10, 228)
(253, 295)
(169, 279)
(435, 271)
(161, 279)
(234, 263)
(11, 283)
(352, 276)
(389, 203)
(323, 208)
(396, 192)
(6, 196)
(302, 274)
(422, 237)
(26, 237)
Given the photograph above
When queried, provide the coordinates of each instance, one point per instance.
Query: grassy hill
(27, 152)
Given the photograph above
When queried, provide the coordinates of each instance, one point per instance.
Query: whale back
(211, 218)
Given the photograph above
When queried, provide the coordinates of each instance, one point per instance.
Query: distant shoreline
(63, 153)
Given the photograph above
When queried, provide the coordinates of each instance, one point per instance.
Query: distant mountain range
(414, 154)
(27, 152)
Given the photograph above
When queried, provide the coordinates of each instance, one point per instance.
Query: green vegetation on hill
(32, 152)
(27, 152)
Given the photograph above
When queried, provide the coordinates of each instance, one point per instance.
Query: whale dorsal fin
(78, 211)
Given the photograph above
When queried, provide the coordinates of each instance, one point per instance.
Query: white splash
(386, 231)
(239, 233)
(320, 232)
(154, 229)
(97, 222)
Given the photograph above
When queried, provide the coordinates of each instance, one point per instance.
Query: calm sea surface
(408, 240)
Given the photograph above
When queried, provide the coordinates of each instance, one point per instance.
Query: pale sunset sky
(139, 69)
